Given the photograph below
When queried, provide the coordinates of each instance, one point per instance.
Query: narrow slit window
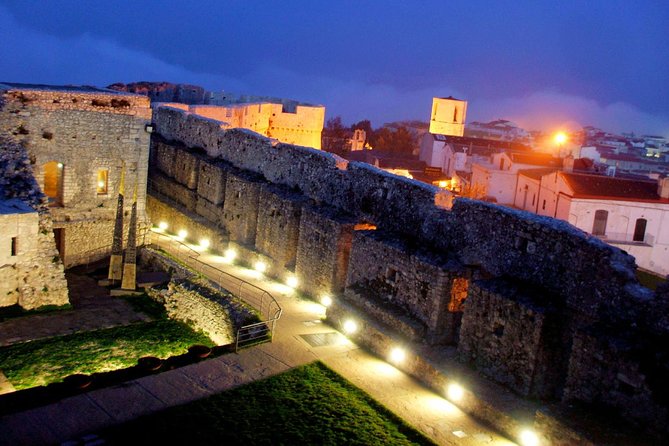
(15, 247)
(102, 181)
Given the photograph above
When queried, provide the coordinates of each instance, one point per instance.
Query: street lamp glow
(204, 243)
(455, 392)
(291, 281)
(182, 234)
(560, 138)
(350, 326)
(326, 301)
(162, 225)
(397, 355)
(529, 438)
(260, 266)
(230, 254)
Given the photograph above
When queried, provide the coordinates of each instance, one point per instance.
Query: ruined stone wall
(323, 250)
(511, 338)
(240, 208)
(178, 218)
(86, 131)
(621, 369)
(278, 225)
(428, 254)
(34, 276)
(190, 306)
(410, 280)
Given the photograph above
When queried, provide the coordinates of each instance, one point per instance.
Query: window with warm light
(101, 186)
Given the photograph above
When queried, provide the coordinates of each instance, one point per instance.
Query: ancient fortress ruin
(530, 302)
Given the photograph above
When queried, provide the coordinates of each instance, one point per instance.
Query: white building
(499, 175)
(630, 214)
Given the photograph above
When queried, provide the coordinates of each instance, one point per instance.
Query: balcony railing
(621, 238)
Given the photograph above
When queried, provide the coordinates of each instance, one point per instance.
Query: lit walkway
(73, 417)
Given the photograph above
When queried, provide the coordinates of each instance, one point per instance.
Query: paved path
(73, 417)
(92, 309)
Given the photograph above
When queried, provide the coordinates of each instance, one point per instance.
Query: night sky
(541, 64)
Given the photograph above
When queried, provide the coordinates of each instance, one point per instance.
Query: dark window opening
(599, 226)
(640, 230)
(543, 206)
(14, 247)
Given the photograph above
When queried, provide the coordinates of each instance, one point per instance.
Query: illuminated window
(14, 247)
(102, 181)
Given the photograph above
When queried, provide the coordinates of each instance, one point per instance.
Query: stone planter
(78, 381)
(150, 363)
(199, 351)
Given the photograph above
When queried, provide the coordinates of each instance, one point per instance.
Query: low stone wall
(183, 303)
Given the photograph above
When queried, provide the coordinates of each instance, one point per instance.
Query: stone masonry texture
(517, 293)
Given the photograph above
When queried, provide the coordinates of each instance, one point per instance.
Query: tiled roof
(536, 174)
(536, 159)
(611, 188)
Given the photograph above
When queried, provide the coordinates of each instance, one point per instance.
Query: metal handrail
(269, 309)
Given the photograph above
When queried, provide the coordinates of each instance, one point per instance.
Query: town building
(288, 121)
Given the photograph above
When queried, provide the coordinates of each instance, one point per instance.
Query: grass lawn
(50, 360)
(307, 405)
(649, 280)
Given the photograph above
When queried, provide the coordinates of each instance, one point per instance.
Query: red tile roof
(536, 174)
(536, 159)
(610, 188)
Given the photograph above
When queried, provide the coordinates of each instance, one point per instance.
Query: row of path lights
(455, 393)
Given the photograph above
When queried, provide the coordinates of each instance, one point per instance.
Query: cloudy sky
(542, 64)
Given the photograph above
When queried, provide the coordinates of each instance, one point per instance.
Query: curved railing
(267, 306)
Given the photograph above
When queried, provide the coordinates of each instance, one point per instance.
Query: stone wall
(183, 303)
(406, 279)
(422, 269)
(87, 131)
(278, 225)
(323, 250)
(33, 277)
(621, 369)
(512, 339)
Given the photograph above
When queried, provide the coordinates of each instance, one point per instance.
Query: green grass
(144, 304)
(14, 311)
(307, 405)
(649, 280)
(45, 361)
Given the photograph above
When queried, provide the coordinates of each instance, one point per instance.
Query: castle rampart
(514, 293)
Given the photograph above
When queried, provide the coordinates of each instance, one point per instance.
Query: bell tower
(448, 116)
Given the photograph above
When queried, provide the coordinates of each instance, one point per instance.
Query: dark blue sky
(542, 64)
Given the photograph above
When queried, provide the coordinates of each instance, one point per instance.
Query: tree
(335, 136)
(396, 141)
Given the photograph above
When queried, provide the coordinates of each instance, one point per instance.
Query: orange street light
(560, 138)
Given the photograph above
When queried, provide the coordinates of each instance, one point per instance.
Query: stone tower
(448, 116)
